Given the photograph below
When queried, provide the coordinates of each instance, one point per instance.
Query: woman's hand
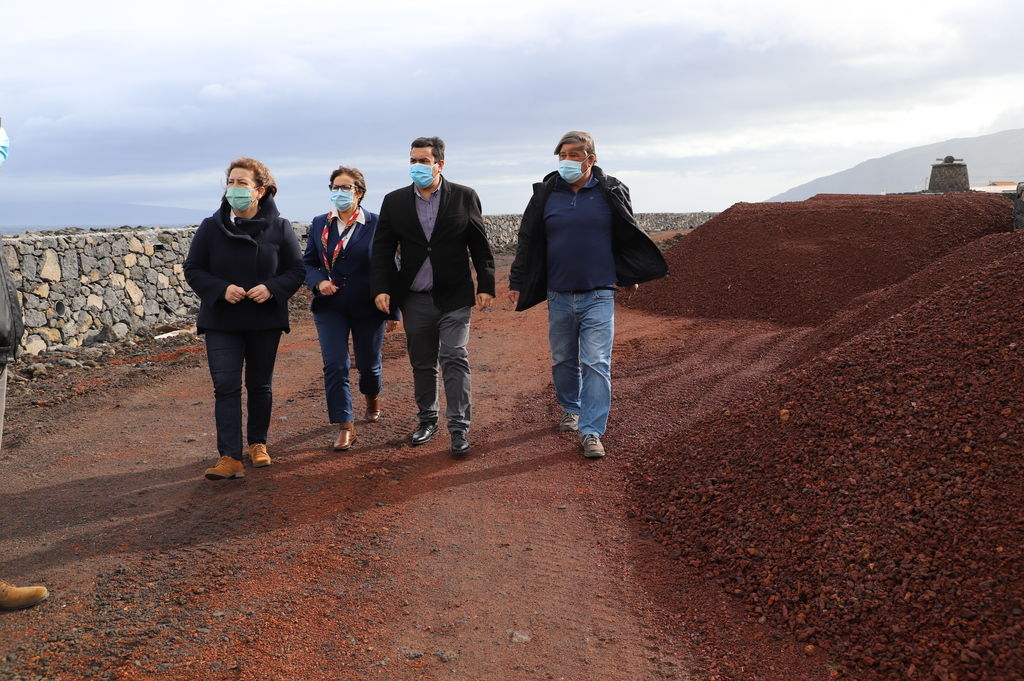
(258, 293)
(391, 325)
(327, 288)
(234, 294)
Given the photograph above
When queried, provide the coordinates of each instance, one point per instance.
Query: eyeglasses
(344, 187)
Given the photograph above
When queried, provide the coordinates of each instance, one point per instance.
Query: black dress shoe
(460, 445)
(423, 434)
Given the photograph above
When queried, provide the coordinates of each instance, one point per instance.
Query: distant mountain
(21, 215)
(989, 158)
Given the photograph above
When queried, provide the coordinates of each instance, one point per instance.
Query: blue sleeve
(311, 257)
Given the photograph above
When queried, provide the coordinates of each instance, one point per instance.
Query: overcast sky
(695, 105)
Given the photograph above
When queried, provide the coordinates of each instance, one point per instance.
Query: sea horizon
(15, 230)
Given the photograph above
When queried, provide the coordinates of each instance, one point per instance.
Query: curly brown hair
(259, 171)
(357, 175)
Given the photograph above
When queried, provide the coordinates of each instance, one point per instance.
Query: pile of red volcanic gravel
(871, 501)
(876, 306)
(799, 263)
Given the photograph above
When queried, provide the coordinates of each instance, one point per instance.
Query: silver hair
(577, 137)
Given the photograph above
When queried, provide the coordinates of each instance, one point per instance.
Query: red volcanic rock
(881, 520)
(798, 263)
(876, 306)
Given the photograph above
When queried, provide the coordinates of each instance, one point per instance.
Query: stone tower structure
(949, 175)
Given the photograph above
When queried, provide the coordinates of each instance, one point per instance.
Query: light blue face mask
(571, 171)
(5, 145)
(422, 175)
(240, 198)
(343, 198)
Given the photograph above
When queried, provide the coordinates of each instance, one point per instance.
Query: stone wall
(502, 229)
(79, 286)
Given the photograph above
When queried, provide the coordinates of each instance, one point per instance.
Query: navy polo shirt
(579, 231)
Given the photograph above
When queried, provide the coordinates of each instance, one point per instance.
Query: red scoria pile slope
(798, 263)
(871, 500)
(876, 306)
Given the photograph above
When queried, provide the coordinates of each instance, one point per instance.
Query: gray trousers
(434, 337)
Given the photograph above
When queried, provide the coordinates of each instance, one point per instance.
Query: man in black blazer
(432, 224)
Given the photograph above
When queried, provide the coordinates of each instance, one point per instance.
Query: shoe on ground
(373, 408)
(346, 436)
(20, 597)
(570, 423)
(423, 434)
(460, 445)
(226, 468)
(258, 455)
(592, 447)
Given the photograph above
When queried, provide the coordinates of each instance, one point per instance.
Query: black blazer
(350, 271)
(263, 251)
(459, 229)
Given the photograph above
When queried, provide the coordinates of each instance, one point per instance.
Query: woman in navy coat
(337, 261)
(244, 264)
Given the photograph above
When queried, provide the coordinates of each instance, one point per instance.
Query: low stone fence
(502, 229)
(79, 286)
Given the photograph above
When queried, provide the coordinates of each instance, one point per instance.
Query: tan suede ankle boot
(18, 597)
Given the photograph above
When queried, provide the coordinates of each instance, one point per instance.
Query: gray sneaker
(570, 423)
(592, 447)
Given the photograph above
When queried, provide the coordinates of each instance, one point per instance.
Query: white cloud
(108, 96)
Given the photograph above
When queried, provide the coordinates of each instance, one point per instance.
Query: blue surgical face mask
(240, 198)
(343, 198)
(422, 175)
(5, 145)
(571, 171)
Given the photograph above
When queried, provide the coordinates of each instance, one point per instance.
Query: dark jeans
(333, 329)
(226, 352)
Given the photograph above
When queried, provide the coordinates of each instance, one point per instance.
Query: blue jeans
(581, 327)
(226, 352)
(333, 329)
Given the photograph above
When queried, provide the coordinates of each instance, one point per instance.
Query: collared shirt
(579, 231)
(426, 211)
(334, 217)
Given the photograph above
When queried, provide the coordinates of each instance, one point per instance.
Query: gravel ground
(799, 263)
(869, 500)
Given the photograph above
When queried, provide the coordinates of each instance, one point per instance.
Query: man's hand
(258, 293)
(483, 301)
(327, 287)
(513, 297)
(383, 302)
(391, 325)
(234, 294)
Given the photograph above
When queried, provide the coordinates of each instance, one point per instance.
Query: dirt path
(387, 562)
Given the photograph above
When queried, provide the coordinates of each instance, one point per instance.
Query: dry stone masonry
(81, 286)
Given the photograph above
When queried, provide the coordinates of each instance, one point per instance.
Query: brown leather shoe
(18, 597)
(346, 436)
(373, 408)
